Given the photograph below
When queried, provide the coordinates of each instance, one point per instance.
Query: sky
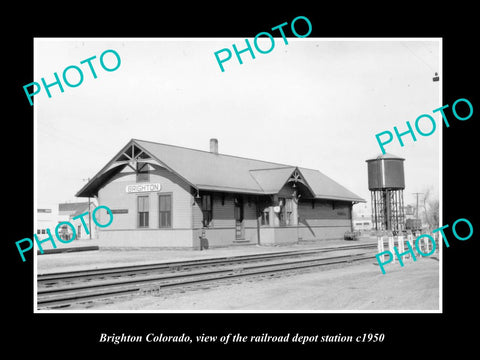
(315, 103)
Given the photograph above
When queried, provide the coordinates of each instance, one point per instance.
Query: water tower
(386, 181)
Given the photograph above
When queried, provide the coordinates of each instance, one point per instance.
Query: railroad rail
(66, 288)
(49, 279)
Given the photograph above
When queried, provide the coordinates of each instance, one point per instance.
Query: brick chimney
(214, 146)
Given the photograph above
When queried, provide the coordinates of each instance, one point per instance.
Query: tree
(431, 207)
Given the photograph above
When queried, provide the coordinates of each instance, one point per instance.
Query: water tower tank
(386, 172)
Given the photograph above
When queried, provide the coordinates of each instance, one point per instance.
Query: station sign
(140, 188)
(119, 211)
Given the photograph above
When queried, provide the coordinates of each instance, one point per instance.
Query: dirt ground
(356, 288)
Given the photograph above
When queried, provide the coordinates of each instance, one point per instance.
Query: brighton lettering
(429, 238)
(425, 124)
(142, 188)
(73, 75)
(226, 54)
(39, 242)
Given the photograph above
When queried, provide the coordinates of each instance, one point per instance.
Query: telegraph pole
(90, 214)
(89, 219)
(416, 215)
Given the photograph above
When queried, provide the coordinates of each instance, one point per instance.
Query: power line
(418, 57)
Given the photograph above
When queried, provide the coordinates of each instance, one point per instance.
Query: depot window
(265, 219)
(165, 211)
(143, 174)
(143, 211)
(207, 209)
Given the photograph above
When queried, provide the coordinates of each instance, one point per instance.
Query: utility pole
(89, 214)
(416, 209)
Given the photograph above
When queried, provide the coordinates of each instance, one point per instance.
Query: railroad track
(61, 289)
(52, 279)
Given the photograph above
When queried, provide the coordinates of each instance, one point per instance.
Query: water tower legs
(387, 210)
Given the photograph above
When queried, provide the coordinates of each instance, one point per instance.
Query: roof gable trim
(129, 155)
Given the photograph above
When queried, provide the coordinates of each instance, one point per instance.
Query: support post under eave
(351, 215)
(257, 200)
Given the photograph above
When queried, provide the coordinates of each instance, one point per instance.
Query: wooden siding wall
(250, 212)
(114, 195)
(326, 220)
(169, 238)
(223, 215)
(323, 209)
(197, 215)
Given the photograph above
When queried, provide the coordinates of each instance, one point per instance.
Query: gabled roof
(272, 180)
(326, 188)
(204, 170)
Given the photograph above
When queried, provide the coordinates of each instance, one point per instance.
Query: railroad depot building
(170, 196)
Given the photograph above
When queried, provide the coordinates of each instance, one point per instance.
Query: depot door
(238, 213)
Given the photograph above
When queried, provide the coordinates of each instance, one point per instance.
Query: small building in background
(69, 210)
(47, 218)
(364, 224)
(50, 215)
(410, 211)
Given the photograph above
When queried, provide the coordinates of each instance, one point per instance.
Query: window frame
(143, 212)
(160, 212)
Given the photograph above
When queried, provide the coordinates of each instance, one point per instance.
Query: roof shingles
(210, 171)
